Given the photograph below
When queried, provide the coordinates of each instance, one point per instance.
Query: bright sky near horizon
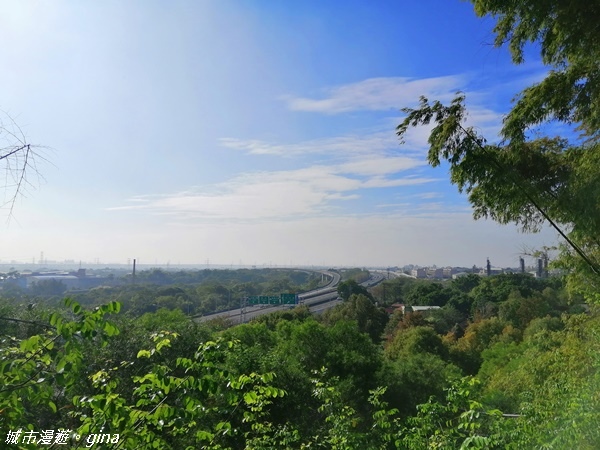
(253, 132)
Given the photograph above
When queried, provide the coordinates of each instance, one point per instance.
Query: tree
(466, 283)
(567, 32)
(349, 287)
(415, 340)
(359, 308)
(447, 318)
(416, 368)
(531, 181)
(478, 336)
(427, 293)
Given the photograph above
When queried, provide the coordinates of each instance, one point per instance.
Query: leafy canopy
(542, 180)
(569, 41)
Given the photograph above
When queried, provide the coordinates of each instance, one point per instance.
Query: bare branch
(18, 160)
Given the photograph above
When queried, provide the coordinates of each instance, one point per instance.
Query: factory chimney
(522, 264)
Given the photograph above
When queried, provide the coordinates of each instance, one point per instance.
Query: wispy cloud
(380, 182)
(393, 205)
(378, 94)
(379, 165)
(348, 167)
(369, 142)
(279, 195)
(429, 195)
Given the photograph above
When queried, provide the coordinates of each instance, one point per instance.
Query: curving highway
(241, 315)
(317, 300)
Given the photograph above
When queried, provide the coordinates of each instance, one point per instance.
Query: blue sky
(254, 132)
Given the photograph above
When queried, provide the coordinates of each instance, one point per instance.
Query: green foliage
(299, 313)
(190, 400)
(568, 39)
(514, 183)
(447, 319)
(412, 319)
(392, 290)
(551, 379)
(427, 293)
(416, 340)
(356, 274)
(350, 287)
(498, 288)
(163, 381)
(196, 292)
(467, 283)
(195, 402)
(478, 336)
(417, 367)
(38, 371)
(459, 422)
(414, 378)
(48, 288)
(361, 309)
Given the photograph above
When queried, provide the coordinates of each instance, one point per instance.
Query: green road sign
(263, 299)
(253, 300)
(274, 300)
(288, 299)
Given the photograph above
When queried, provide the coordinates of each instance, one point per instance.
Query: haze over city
(248, 132)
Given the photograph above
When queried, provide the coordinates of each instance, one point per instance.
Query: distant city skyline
(252, 131)
(51, 265)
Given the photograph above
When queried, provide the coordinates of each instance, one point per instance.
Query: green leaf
(144, 354)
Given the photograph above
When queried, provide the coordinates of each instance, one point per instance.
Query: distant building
(72, 280)
(490, 271)
(449, 271)
(436, 273)
(419, 273)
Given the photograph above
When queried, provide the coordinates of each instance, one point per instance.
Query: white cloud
(393, 205)
(384, 94)
(380, 182)
(255, 196)
(380, 165)
(429, 195)
(432, 206)
(369, 142)
(282, 194)
(379, 94)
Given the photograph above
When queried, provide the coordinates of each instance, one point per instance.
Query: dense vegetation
(352, 378)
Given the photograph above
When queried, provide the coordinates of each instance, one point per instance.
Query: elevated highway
(318, 301)
(246, 313)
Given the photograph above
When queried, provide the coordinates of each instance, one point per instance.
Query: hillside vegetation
(352, 378)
